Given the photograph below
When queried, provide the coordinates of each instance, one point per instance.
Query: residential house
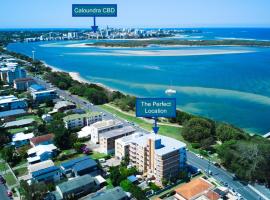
(198, 188)
(81, 120)
(12, 103)
(42, 140)
(116, 193)
(21, 139)
(44, 171)
(19, 123)
(107, 139)
(41, 153)
(79, 166)
(77, 187)
(12, 114)
(62, 106)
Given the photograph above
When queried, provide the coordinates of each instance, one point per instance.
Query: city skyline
(152, 14)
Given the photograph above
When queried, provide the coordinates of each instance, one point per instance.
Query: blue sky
(138, 13)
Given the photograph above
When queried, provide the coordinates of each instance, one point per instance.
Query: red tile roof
(211, 195)
(43, 138)
(194, 188)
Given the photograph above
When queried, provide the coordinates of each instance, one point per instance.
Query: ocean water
(230, 84)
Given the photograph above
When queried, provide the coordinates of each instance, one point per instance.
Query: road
(219, 174)
(222, 175)
(3, 192)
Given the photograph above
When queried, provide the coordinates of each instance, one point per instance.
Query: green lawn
(10, 178)
(174, 132)
(96, 155)
(21, 171)
(166, 130)
(17, 130)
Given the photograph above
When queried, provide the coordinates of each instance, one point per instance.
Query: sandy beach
(159, 53)
(77, 77)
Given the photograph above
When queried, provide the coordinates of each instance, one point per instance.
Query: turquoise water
(232, 86)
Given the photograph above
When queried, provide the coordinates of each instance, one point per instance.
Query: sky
(138, 13)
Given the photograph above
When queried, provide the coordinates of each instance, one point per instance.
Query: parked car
(9, 193)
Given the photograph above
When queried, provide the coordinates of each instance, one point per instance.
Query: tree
(227, 132)
(126, 185)
(4, 137)
(197, 129)
(115, 176)
(36, 191)
(62, 138)
(10, 156)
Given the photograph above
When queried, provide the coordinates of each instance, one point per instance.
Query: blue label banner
(94, 10)
(155, 107)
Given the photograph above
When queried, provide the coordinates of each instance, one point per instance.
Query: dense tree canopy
(197, 129)
(226, 132)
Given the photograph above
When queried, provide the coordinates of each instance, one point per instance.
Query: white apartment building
(81, 120)
(101, 127)
(155, 155)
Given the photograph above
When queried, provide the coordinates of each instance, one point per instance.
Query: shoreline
(77, 77)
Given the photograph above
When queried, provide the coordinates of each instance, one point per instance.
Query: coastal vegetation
(145, 43)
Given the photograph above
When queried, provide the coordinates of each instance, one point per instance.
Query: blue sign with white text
(94, 10)
(155, 107)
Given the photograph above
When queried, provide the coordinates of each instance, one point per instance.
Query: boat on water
(170, 91)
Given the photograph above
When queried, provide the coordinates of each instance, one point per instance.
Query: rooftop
(40, 149)
(116, 193)
(9, 99)
(12, 113)
(85, 164)
(167, 144)
(21, 136)
(194, 188)
(78, 116)
(62, 104)
(118, 132)
(71, 163)
(36, 87)
(76, 182)
(106, 123)
(22, 122)
(44, 91)
(40, 165)
(43, 138)
(45, 171)
(23, 79)
(129, 138)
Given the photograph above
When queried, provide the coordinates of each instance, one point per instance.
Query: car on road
(9, 193)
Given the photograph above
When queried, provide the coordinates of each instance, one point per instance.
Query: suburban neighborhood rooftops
(76, 182)
(40, 165)
(117, 132)
(85, 164)
(78, 116)
(22, 122)
(21, 136)
(12, 113)
(43, 138)
(71, 163)
(45, 171)
(116, 193)
(194, 188)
